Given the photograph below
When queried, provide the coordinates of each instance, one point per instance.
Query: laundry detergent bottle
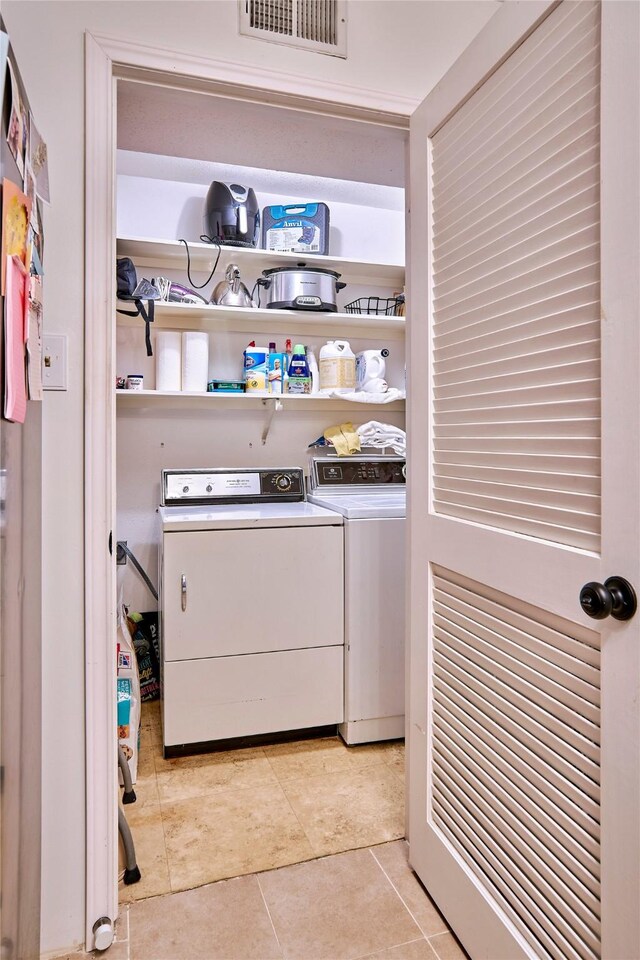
(299, 379)
(337, 366)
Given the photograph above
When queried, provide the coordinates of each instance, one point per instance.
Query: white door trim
(223, 77)
(620, 300)
(99, 493)
(107, 60)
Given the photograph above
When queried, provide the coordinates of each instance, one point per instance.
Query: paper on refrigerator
(15, 306)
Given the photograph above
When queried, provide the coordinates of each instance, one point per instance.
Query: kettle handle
(340, 286)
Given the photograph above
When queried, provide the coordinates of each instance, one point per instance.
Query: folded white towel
(361, 396)
(381, 435)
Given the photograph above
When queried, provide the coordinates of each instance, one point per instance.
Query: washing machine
(369, 493)
(252, 607)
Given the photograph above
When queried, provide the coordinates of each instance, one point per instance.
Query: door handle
(615, 597)
(183, 591)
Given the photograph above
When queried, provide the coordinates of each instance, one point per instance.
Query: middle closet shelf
(181, 316)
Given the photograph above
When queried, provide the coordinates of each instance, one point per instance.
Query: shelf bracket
(276, 406)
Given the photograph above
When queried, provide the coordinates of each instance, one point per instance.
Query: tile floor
(365, 903)
(206, 818)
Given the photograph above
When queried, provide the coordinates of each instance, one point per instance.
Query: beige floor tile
(447, 947)
(341, 811)
(312, 758)
(416, 950)
(230, 833)
(146, 762)
(395, 758)
(336, 908)
(145, 788)
(222, 921)
(394, 860)
(151, 739)
(151, 713)
(148, 838)
(194, 777)
(117, 951)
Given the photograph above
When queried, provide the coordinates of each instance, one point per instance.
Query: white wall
(403, 47)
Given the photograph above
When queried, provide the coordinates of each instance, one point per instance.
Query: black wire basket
(376, 306)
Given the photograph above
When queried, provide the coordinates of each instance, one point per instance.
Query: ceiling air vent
(319, 25)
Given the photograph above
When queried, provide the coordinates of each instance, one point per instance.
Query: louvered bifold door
(524, 469)
(516, 297)
(516, 760)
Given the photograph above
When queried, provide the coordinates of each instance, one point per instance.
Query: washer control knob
(185, 489)
(209, 488)
(283, 482)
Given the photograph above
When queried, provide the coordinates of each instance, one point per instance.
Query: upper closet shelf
(172, 253)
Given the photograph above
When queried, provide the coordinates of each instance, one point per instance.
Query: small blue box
(296, 228)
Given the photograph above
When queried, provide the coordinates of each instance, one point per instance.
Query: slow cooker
(301, 288)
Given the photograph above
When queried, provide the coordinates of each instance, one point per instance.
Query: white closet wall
(161, 197)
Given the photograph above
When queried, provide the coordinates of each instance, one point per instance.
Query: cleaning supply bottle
(370, 365)
(255, 368)
(287, 361)
(337, 367)
(299, 380)
(314, 373)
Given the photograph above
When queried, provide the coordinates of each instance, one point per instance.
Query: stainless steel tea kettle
(231, 292)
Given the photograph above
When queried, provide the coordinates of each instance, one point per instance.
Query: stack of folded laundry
(382, 435)
(348, 439)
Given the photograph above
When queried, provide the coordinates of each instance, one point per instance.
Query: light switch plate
(54, 361)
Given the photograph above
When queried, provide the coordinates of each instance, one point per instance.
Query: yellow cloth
(344, 438)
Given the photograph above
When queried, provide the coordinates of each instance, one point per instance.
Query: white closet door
(524, 366)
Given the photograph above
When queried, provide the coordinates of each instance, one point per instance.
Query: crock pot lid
(301, 269)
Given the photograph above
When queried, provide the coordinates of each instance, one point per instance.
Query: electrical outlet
(54, 361)
(121, 556)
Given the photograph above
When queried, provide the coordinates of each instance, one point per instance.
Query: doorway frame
(108, 60)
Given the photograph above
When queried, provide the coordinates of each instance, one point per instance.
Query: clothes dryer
(247, 564)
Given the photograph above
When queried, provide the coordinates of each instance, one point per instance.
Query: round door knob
(615, 597)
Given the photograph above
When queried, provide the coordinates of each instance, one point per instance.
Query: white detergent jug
(337, 366)
(370, 365)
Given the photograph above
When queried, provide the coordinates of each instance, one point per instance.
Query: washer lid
(363, 506)
(250, 515)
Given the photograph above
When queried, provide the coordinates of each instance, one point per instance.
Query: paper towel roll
(195, 361)
(168, 360)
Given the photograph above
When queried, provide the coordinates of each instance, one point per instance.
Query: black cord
(138, 567)
(205, 239)
(253, 292)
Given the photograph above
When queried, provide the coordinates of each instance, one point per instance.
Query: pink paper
(15, 304)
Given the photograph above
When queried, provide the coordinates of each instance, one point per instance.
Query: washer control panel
(354, 473)
(241, 485)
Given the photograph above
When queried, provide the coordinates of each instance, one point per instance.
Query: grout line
(395, 946)
(164, 840)
(403, 901)
(266, 906)
(445, 933)
(122, 921)
(315, 853)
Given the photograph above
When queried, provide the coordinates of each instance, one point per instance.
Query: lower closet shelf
(239, 400)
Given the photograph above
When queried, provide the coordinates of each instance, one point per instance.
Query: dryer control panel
(240, 485)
